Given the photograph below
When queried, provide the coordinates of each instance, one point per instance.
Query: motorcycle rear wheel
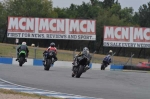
(21, 59)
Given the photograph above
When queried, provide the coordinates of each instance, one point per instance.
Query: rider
(51, 48)
(75, 61)
(22, 47)
(107, 60)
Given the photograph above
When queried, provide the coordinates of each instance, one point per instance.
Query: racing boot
(86, 68)
(17, 59)
(17, 56)
(53, 60)
(43, 62)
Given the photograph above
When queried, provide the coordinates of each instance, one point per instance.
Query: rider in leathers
(77, 57)
(107, 60)
(22, 47)
(51, 48)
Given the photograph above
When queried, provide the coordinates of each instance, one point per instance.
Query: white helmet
(23, 43)
(110, 51)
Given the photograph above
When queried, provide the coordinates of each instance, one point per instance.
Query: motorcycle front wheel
(80, 71)
(48, 63)
(103, 67)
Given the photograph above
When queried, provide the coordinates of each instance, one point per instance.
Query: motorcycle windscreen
(83, 60)
(49, 54)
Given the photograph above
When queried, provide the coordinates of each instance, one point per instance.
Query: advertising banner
(51, 28)
(126, 37)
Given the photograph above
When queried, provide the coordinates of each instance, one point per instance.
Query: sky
(135, 4)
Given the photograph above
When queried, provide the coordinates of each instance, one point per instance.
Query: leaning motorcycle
(103, 66)
(48, 61)
(22, 58)
(83, 61)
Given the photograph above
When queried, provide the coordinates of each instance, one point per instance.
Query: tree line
(106, 13)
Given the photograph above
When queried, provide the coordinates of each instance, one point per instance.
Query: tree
(30, 8)
(27, 8)
(109, 3)
(96, 3)
(3, 21)
(61, 13)
(143, 15)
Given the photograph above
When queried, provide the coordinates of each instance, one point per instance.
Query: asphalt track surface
(93, 83)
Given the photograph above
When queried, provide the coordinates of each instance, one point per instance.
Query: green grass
(4, 91)
(9, 50)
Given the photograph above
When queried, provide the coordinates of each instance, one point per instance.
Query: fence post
(131, 57)
(35, 52)
(16, 51)
(16, 47)
(74, 53)
(113, 57)
(93, 56)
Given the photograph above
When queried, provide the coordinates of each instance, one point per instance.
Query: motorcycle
(103, 66)
(22, 58)
(82, 62)
(49, 60)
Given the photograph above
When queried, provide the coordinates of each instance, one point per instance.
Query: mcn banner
(126, 37)
(51, 28)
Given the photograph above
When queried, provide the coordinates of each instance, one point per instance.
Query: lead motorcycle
(82, 62)
(22, 58)
(49, 59)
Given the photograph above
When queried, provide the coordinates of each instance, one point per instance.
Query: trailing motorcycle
(82, 62)
(49, 59)
(103, 66)
(22, 58)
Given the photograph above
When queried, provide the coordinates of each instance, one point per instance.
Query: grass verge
(4, 91)
(9, 50)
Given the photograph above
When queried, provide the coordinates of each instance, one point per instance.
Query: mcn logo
(126, 34)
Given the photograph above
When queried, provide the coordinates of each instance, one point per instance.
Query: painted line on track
(19, 88)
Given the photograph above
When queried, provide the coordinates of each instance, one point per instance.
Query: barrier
(29, 62)
(131, 67)
(5, 60)
(38, 62)
(62, 64)
(117, 67)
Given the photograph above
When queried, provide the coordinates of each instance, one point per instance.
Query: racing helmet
(85, 49)
(110, 52)
(52, 44)
(23, 43)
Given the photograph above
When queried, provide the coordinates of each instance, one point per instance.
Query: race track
(94, 83)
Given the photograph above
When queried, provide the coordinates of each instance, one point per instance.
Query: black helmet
(52, 44)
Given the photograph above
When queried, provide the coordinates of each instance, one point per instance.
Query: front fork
(75, 69)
